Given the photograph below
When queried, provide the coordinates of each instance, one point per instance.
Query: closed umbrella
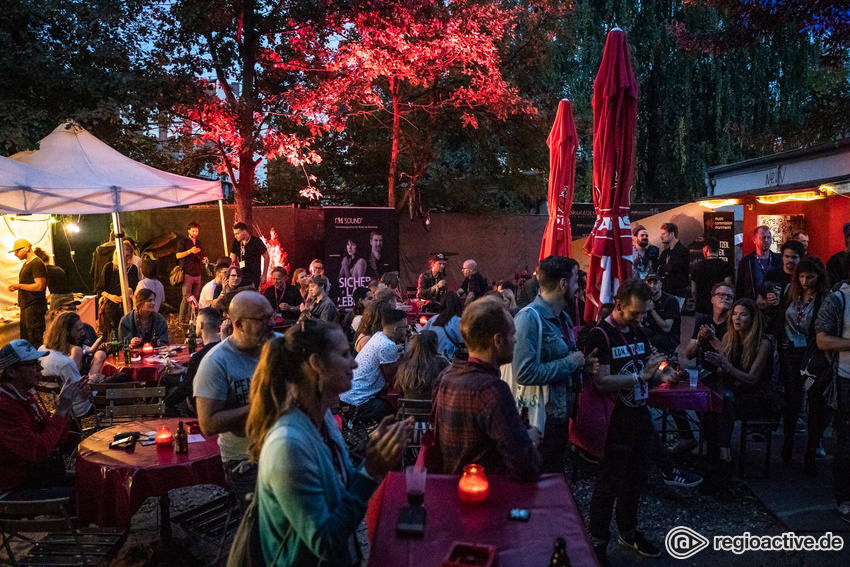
(563, 143)
(615, 97)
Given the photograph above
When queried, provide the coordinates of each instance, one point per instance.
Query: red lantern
(163, 436)
(473, 487)
(423, 320)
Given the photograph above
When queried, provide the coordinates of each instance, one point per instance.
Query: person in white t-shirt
(213, 288)
(149, 282)
(376, 367)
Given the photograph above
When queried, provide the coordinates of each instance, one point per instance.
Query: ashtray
(463, 554)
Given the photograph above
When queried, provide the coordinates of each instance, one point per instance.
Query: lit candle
(147, 348)
(473, 487)
(423, 320)
(163, 436)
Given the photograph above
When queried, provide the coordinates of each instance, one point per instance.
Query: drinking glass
(415, 477)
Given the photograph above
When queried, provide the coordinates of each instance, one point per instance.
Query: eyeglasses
(724, 295)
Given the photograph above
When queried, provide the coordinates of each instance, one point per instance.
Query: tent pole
(223, 229)
(122, 269)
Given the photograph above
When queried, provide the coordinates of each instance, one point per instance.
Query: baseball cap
(652, 276)
(20, 243)
(62, 303)
(440, 256)
(19, 350)
(636, 228)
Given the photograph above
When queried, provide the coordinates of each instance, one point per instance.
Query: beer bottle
(181, 440)
(113, 344)
(155, 339)
(559, 555)
(191, 340)
(128, 359)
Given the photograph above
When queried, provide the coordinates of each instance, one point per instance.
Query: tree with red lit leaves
(239, 107)
(405, 65)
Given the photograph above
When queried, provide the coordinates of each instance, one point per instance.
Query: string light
(717, 203)
(784, 197)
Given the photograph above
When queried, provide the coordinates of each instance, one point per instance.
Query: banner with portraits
(361, 244)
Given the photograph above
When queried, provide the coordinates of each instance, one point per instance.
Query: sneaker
(844, 512)
(639, 543)
(601, 551)
(683, 446)
(681, 477)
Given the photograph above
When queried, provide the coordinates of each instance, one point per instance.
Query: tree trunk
(396, 133)
(244, 188)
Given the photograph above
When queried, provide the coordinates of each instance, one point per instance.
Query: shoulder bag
(246, 550)
(532, 397)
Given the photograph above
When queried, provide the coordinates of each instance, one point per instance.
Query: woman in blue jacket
(311, 498)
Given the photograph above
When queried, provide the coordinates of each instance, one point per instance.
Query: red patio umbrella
(562, 142)
(615, 96)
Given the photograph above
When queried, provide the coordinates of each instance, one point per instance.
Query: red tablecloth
(112, 483)
(148, 368)
(553, 514)
(682, 397)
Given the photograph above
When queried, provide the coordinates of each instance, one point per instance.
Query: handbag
(816, 366)
(246, 550)
(534, 398)
(176, 276)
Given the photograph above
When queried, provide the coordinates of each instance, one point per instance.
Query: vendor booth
(807, 189)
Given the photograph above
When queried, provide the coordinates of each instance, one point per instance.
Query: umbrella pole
(122, 269)
(223, 229)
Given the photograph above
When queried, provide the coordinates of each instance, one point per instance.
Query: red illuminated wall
(824, 220)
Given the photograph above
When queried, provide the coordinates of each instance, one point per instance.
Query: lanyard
(277, 297)
(761, 264)
(242, 248)
(801, 309)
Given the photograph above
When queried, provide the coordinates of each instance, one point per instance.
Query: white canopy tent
(73, 172)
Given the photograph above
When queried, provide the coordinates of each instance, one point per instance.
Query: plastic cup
(693, 377)
(415, 480)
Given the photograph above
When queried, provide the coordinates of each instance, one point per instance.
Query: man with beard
(754, 266)
(553, 361)
(644, 254)
(432, 283)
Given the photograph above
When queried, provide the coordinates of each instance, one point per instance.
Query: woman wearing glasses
(311, 499)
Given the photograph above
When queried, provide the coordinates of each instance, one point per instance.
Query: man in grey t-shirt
(223, 383)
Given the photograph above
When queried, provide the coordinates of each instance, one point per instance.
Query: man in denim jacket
(559, 359)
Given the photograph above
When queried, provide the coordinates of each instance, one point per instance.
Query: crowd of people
(282, 404)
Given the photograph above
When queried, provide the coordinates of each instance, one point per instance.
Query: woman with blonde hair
(744, 369)
(510, 301)
(310, 498)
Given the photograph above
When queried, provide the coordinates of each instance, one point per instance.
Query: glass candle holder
(473, 487)
(147, 348)
(163, 436)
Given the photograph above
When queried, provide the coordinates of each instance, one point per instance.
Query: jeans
(242, 478)
(841, 425)
(33, 324)
(191, 287)
(738, 403)
(623, 471)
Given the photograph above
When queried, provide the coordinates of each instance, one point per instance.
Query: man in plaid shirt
(475, 416)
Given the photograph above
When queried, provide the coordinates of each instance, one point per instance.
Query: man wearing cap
(432, 283)
(644, 254)
(29, 435)
(835, 271)
(32, 281)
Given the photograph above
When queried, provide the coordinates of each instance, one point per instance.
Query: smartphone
(519, 515)
(411, 521)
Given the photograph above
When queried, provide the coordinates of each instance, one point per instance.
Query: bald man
(474, 284)
(223, 382)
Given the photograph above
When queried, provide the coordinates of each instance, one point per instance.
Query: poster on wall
(781, 227)
(361, 244)
(721, 225)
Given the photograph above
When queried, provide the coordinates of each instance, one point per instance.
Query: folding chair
(145, 402)
(420, 410)
(64, 543)
(215, 522)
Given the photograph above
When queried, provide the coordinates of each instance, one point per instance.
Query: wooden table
(522, 544)
(113, 483)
